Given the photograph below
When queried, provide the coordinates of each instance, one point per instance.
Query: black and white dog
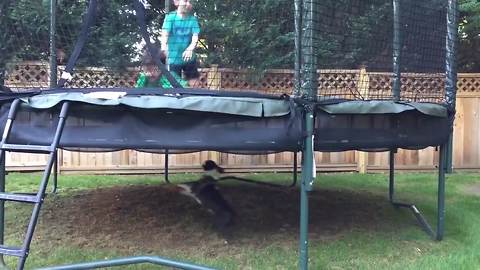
(205, 192)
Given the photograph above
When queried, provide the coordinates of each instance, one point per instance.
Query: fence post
(214, 78)
(363, 83)
(362, 162)
(363, 88)
(214, 82)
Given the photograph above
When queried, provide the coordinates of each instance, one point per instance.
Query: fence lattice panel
(339, 84)
(28, 74)
(271, 81)
(468, 83)
(101, 77)
(349, 84)
(419, 87)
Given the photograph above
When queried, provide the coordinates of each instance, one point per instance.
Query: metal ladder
(36, 199)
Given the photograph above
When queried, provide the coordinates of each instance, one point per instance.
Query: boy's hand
(187, 55)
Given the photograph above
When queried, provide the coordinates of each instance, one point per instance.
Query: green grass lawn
(359, 230)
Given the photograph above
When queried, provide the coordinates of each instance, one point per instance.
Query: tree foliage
(112, 39)
(248, 33)
(353, 33)
(469, 47)
(24, 32)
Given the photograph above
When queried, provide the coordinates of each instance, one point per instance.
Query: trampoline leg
(441, 197)
(295, 169)
(55, 174)
(441, 193)
(2, 206)
(166, 166)
(303, 226)
(391, 186)
(305, 187)
(449, 155)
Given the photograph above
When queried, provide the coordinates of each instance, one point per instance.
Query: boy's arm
(188, 53)
(166, 28)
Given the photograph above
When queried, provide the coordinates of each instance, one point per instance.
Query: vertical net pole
(451, 73)
(308, 72)
(450, 63)
(167, 6)
(308, 90)
(53, 46)
(3, 10)
(3, 19)
(298, 47)
(397, 48)
(2, 207)
(305, 187)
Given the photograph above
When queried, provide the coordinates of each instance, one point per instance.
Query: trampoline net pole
(53, 44)
(451, 73)
(397, 50)
(308, 68)
(298, 47)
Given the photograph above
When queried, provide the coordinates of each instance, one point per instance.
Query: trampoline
(187, 120)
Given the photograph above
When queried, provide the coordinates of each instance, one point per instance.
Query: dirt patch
(473, 189)
(156, 218)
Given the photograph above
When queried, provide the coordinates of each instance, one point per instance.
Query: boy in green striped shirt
(151, 76)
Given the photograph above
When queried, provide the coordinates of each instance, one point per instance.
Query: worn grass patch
(352, 225)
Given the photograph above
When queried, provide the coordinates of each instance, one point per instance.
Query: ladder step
(12, 251)
(18, 197)
(43, 149)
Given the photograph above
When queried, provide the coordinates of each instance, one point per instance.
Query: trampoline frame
(305, 88)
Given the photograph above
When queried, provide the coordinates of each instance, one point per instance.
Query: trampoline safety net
(378, 46)
(335, 50)
(353, 50)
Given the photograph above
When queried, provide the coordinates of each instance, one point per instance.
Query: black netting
(354, 33)
(238, 42)
(360, 47)
(24, 44)
(347, 47)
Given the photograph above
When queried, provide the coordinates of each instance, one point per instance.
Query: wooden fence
(466, 152)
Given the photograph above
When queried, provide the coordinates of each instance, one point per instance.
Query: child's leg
(177, 69)
(190, 70)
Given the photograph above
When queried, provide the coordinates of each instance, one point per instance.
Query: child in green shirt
(151, 76)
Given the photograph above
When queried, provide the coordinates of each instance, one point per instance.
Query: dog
(205, 192)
